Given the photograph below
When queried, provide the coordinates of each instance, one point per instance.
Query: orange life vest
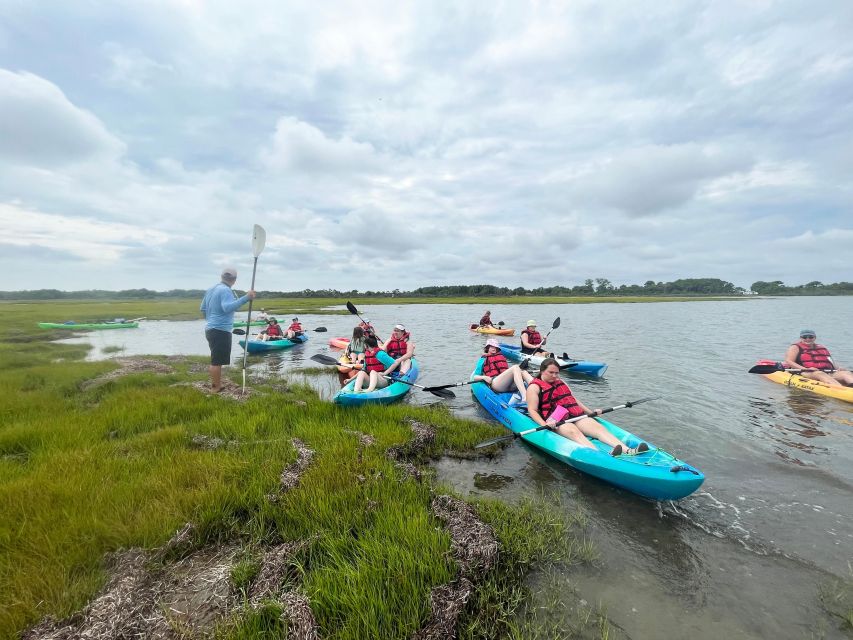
(814, 356)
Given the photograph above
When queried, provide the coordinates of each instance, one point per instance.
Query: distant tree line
(590, 287)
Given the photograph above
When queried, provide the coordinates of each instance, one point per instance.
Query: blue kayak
(260, 346)
(393, 392)
(585, 367)
(654, 474)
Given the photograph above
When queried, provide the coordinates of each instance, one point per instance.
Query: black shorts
(220, 346)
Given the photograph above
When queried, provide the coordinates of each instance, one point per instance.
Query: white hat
(399, 327)
(229, 273)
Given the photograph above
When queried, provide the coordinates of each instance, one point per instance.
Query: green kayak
(88, 325)
(253, 323)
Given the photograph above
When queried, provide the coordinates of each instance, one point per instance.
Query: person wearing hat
(400, 347)
(498, 374)
(816, 361)
(294, 330)
(272, 331)
(263, 315)
(218, 306)
(532, 341)
(367, 327)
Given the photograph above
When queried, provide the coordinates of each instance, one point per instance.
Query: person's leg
(220, 355)
(820, 376)
(360, 379)
(572, 432)
(504, 381)
(595, 429)
(374, 380)
(215, 377)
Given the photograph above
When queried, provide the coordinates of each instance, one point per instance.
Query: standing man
(218, 307)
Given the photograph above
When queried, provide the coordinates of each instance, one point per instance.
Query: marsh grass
(836, 598)
(90, 465)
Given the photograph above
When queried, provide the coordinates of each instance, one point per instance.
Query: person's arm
(532, 398)
(387, 361)
(524, 342)
(234, 303)
(589, 412)
(791, 356)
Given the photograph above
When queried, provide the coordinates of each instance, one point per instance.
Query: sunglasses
(808, 337)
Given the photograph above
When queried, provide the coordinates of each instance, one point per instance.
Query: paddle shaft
(249, 322)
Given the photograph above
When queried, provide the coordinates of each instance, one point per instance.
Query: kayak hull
(654, 474)
(88, 325)
(584, 367)
(262, 346)
(815, 386)
(493, 331)
(339, 343)
(392, 393)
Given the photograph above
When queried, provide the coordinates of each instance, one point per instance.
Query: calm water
(744, 556)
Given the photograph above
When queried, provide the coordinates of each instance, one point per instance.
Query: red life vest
(371, 362)
(274, 330)
(485, 321)
(533, 337)
(814, 356)
(295, 326)
(396, 348)
(557, 394)
(494, 365)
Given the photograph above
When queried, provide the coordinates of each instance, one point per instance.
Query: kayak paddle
(512, 436)
(259, 239)
(462, 384)
(777, 366)
(351, 308)
(440, 392)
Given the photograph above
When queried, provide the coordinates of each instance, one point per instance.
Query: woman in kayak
(376, 362)
(400, 347)
(817, 361)
(272, 332)
(547, 391)
(367, 327)
(532, 341)
(486, 320)
(354, 354)
(294, 330)
(498, 374)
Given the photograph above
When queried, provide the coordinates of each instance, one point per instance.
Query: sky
(389, 145)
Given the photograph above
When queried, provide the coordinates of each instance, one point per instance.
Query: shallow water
(746, 554)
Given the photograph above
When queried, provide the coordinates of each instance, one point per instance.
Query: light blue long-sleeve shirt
(218, 306)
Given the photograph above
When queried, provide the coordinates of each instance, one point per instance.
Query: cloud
(39, 126)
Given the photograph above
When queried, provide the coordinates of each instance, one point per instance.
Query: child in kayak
(354, 354)
(498, 374)
(376, 362)
(272, 332)
(817, 361)
(546, 393)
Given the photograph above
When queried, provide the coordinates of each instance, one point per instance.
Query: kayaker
(486, 320)
(354, 354)
(218, 306)
(812, 357)
(547, 391)
(532, 341)
(294, 330)
(400, 347)
(263, 315)
(498, 374)
(272, 332)
(367, 327)
(376, 362)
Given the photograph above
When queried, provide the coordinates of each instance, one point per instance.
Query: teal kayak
(88, 325)
(654, 474)
(393, 392)
(261, 346)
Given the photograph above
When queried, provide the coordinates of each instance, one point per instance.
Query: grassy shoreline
(92, 462)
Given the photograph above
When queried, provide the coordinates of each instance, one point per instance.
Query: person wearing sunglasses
(816, 361)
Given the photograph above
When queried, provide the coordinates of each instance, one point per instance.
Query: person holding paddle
(816, 361)
(401, 348)
(353, 356)
(486, 320)
(376, 362)
(498, 374)
(272, 332)
(532, 341)
(218, 306)
(295, 329)
(549, 401)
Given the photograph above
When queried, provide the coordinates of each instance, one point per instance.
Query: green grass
(88, 469)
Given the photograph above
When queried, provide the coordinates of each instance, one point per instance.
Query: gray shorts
(220, 346)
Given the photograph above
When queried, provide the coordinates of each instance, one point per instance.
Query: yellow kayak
(799, 382)
(493, 330)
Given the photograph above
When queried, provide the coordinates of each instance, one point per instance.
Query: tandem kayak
(584, 367)
(653, 474)
(815, 386)
(393, 392)
(260, 346)
(492, 330)
(339, 343)
(88, 325)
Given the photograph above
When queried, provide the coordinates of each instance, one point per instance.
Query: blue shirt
(385, 359)
(218, 306)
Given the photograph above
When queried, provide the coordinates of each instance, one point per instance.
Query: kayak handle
(682, 467)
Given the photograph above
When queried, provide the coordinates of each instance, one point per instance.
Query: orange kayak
(339, 343)
(493, 330)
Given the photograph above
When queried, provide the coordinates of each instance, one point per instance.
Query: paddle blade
(351, 308)
(489, 443)
(556, 323)
(238, 332)
(259, 239)
(322, 359)
(320, 330)
(766, 368)
(441, 393)
(501, 323)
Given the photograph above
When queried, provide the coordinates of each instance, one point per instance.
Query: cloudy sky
(393, 145)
